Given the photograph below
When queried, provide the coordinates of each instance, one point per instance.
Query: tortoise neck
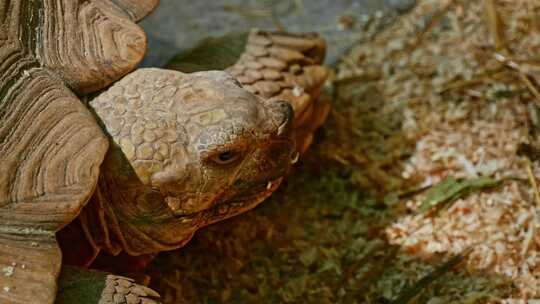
(99, 222)
(111, 230)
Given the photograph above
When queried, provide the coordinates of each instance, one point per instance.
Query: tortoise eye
(225, 158)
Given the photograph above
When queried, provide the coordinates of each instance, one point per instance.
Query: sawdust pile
(466, 74)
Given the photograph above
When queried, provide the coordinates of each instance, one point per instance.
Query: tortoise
(151, 156)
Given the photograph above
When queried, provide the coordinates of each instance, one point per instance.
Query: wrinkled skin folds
(187, 150)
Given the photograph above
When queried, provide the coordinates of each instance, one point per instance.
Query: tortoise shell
(53, 147)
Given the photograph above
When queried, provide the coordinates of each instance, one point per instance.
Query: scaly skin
(123, 290)
(285, 66)
(186, 150)
(84, 286)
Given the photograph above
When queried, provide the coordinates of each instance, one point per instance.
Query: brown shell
(50, 145)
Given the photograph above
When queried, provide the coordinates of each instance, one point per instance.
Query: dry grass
(449, 90)
(480, 108)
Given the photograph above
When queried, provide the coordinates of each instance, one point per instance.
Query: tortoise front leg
(83, 286)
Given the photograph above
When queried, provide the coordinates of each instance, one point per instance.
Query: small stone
(8, 271)
(7, 289)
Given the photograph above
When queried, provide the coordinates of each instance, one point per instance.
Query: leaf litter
(443, 99)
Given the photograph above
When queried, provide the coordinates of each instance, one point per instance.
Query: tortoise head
(234, 150)
(189, 150)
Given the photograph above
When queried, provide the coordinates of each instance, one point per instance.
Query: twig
(494, 24)
(531, 87)
(431, 23)
(532, 180)
(524, 76)
(411, 292)
(531, 232)
(497, 34)
(487, 76)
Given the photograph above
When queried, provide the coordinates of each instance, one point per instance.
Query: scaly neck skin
(116, 220)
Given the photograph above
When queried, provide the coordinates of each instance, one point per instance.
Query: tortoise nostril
(287, 109)
(285, 117)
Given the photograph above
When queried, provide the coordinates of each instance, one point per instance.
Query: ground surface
(177, 25)
(421, 188)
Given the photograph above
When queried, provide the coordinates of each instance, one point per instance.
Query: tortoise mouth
(238, 204)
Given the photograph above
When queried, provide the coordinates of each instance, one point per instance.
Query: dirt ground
(421, 187)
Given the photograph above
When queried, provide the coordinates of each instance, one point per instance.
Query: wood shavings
(8, 271)
(467, 83)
